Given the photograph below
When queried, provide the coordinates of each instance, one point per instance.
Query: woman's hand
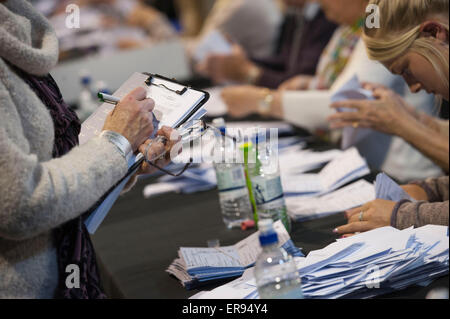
(132, 117)
(372, 215)
(389, 113)
(172, 149)
(230, 67)
(297, 83)
(242, 100)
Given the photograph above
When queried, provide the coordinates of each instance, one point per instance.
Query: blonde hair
(400, 32)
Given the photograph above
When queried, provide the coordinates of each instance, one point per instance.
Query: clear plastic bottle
(233, 192)
(86, 103)
(266, 185)
(275, 271)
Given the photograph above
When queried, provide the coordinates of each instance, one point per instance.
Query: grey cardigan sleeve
(407, 214)
(437, 189)
(39, 196)
(435, 211)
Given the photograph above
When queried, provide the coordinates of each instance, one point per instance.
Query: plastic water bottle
(86, 103)
(275, 271)
(265, 180)
(233, 192)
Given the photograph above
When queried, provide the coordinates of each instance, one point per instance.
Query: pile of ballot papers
(196, 266)
(366, 265)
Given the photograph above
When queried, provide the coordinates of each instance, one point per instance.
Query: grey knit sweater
(38, 193)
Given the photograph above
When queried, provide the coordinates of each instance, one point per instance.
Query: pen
(108, 98)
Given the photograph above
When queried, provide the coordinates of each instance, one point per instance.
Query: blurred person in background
(344, 57)
(106, 25)
(303, 35)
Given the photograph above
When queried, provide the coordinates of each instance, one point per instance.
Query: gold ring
(355, 124)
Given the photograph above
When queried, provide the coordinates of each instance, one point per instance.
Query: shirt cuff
(122, 144)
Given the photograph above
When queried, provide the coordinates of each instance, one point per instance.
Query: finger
(138, 93)
(353, 228)
(380, 93)
(346, 116)
(349, 213)
(343, 124)
(147, 105)
(352, 104)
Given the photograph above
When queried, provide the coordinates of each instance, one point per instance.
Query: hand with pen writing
(132, 118)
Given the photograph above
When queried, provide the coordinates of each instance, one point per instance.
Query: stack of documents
(353, 195)
(296, 161)
(196, 266)
(303, 208)
(366, 265)
(345, 168)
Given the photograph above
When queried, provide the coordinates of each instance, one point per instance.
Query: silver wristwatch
(122, 144)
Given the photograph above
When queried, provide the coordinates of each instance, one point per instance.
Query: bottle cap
(267, 234)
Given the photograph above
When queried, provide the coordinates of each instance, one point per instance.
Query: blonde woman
(412, 41)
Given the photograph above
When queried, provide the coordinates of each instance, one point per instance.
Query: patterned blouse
(335, 57)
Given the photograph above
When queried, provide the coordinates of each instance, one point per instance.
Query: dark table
(140, 238)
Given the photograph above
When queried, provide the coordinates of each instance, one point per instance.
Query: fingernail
(335, 230)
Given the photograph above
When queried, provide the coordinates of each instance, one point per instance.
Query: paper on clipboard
(171, 109)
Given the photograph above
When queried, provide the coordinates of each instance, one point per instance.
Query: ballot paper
(373, 263)
(200, 265)
(296, 161)
(352, 90)
(345, 168)
(171, 109)
(387, 189)
(213, 43)
(353, 195)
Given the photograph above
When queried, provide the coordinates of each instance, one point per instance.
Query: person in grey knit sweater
(412, 41)
(39, 193)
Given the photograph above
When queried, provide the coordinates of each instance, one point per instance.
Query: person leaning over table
(383, 152)
(413, 41)
(47, 181)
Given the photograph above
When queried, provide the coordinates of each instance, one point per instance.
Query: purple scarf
(74, 244)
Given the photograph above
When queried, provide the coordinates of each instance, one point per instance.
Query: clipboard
(92, 127)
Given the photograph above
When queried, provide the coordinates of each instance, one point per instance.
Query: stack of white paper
(345, 168)
(354, 195)
(366, 265)
(195, 266)
(298, 161)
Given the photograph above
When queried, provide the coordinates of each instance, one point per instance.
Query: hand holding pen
(156, 150)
